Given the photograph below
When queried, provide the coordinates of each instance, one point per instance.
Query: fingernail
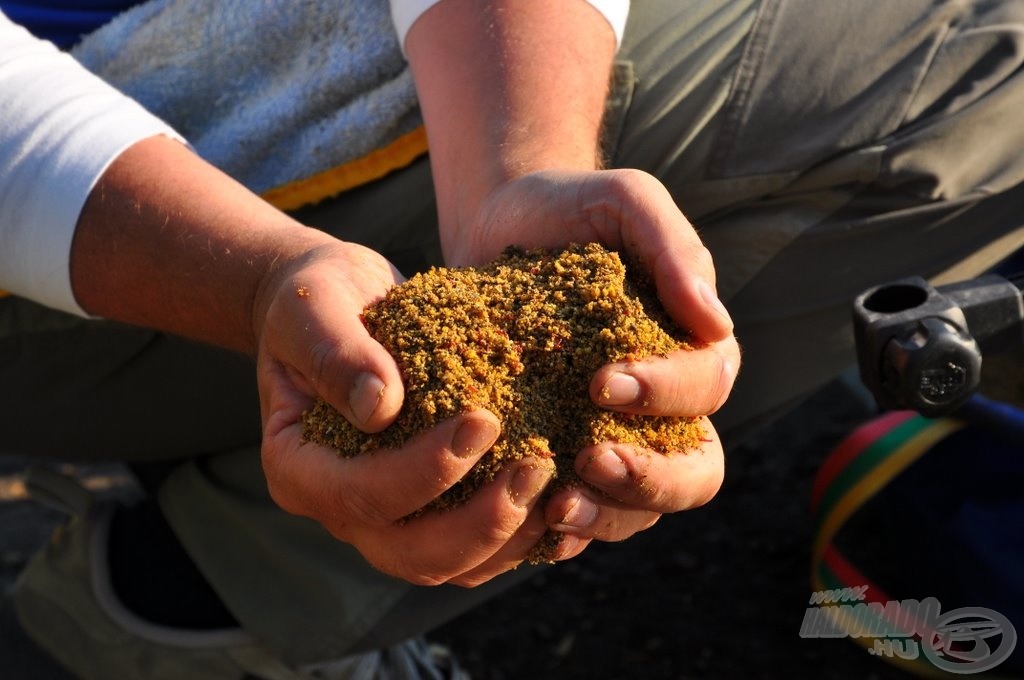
(527, 483)
(365, 396)
(620, 390)
(712, 301)
(606, 469)
(473, 437)
(580, 515)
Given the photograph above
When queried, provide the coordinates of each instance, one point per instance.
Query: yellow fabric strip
(363, 170)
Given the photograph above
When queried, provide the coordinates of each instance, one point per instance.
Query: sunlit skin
(168, 242)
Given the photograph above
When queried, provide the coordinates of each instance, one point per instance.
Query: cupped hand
(629, 488)
(312, 343)
(632, 212)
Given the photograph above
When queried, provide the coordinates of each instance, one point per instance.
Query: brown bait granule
(521, 337)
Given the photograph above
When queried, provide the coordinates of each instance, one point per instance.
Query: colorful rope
(856, 470)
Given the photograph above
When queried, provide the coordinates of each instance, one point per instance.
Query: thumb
(355, 374)
(319, 338)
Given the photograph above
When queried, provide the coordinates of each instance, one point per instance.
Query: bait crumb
(520, 337)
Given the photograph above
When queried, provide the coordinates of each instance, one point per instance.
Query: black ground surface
(718, 592)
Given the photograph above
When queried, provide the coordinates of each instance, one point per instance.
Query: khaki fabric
(819, 147)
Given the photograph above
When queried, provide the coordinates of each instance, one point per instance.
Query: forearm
(507, 88)
(167, 241)
(102, 211)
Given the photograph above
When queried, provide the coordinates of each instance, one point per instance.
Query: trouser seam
(734, 110)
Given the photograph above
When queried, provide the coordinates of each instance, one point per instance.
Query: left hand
(632, 212)
(311, 342)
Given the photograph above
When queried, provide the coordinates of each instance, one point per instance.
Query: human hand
(167, 241)
(311, 342)
(632, 212)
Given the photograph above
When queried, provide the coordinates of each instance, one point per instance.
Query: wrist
(462, 199)
(166, 241)
(506, 90)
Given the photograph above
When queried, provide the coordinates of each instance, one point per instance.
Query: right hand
(633, 212)
(311, 342)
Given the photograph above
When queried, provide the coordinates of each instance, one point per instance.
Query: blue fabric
(64, 22)
(951, 526)
(966, 497)
(271, 92)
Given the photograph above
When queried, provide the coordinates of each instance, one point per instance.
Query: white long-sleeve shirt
(60, 128)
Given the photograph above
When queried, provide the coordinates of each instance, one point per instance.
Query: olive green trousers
(818, 146)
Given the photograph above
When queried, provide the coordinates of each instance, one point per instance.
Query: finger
(685, 383)
(569, 547)
(685, 282)
(652, 481)
(584, 514)
(321, 336)
(508, 556)
(354, 373)
(657, 235)
(443, 546)
(377, 488)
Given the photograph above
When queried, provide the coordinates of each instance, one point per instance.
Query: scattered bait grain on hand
(521, 337)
